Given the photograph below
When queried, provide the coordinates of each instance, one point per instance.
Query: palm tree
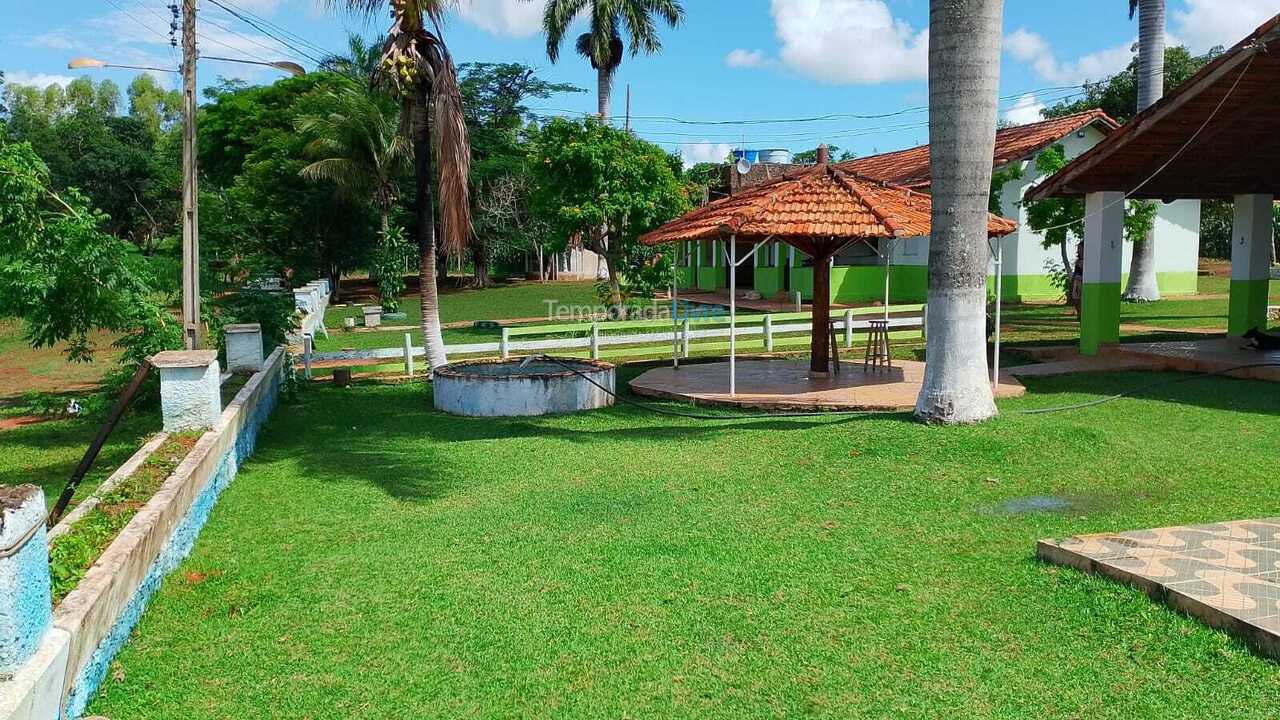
(1142, 286)
(602, 45)
(358, 146)
(360, 63)
(416, 66)
(964, 73)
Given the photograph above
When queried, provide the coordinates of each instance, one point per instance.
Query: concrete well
(502, 388)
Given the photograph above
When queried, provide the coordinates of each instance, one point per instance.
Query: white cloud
(693, 153)
(849, 41)
(1205, 23)
(40, 80)
(54, 40)
(507, 18)
(741, 58)
(1030, 47)
(1026, 110)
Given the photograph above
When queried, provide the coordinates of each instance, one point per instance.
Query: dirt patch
(11, 423)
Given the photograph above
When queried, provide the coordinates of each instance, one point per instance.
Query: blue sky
(731, 60)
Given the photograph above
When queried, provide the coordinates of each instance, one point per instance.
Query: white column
(1103, 258)
(733, 315)
(244, 347)
(1251, 242)
(190, 388)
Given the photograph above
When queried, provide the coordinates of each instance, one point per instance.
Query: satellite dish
(744, 166)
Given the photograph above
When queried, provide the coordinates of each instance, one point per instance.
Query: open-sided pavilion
(1217, 136)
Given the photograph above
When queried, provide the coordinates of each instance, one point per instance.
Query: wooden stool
(878, 354)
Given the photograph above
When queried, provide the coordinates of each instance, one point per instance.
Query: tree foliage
(1118, 94)
(606, 187)
(64, 275)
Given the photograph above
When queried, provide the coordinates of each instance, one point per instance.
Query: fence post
(848, 329)
(504, 344)
(244, 347)
(595, 341)
(306, 356)
(799, 302)
(924, 322)
(190, 388)
(768, 333)
(408, 355)
(684, 342)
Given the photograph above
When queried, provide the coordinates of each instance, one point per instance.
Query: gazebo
(818, 210)
(1217, 136)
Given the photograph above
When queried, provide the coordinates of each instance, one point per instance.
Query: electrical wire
(259, 27)
(228, 6)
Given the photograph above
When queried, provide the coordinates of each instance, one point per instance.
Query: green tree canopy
(1118, 94)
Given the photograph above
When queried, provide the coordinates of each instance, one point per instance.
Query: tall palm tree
(1142, 286)
(357, 145)
(964, 75)
(602, 44)
(417, 68)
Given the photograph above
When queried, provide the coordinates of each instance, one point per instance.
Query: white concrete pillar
(244, 347)
(190, 388)
(25, 588)
(1103, 259)
(372, 315)
(1251, 239)
(302, 300)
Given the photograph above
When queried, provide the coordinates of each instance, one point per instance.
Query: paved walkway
(786, 384)
(1225, 574)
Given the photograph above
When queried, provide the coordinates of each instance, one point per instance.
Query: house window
(911, 247)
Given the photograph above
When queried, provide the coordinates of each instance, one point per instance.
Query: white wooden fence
(597, 340)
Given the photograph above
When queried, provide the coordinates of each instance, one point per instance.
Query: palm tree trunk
(964, 74)
(1142, 285)
(432, 336)
(604, 89)
(820, 333)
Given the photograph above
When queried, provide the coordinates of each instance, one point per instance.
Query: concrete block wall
(84, 633)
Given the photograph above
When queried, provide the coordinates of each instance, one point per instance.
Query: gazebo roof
(910, 167)
(823, 202)
(1216, 135)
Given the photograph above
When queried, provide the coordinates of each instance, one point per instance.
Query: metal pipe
(86, 462)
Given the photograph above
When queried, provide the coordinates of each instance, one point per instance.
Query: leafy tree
(605, 186)
(1061, 219)
(64, 276)
(157, 108)
(356, 145)
(493, 99)
(416, 66)
(602, 44)
(1118, 95)
(810, 157)
(258, 212)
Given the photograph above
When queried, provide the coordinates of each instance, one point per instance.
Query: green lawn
(376, 559)
(46, 453)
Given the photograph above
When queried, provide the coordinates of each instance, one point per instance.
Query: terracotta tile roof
(822, 202)
(910, 168)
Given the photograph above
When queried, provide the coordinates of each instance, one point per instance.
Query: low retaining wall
(94, 620)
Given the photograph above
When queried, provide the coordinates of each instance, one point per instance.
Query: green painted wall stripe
(1248, 306)
(1100, 316)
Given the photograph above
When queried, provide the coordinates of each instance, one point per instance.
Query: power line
(265, 31)
(278, 27)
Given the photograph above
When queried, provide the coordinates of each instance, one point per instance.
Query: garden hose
(869, 413)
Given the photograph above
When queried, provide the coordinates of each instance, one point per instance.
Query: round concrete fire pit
(502, 388)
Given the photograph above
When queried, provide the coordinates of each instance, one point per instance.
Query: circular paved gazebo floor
(787, 384)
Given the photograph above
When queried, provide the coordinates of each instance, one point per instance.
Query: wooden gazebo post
(820, 335)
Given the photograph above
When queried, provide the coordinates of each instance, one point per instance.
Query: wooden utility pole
(190, 191)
